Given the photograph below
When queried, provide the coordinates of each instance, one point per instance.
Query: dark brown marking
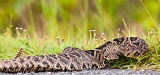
(58, 65)
(118, 41)
(76, 54)
(37, 68)
(53, 56)
(59, 56)
(21, 60)
(136, 54)
(91, 52)
(64, 61)
(42, 56)
(27, 65)
(32, 65)
(76, 61)
(72, 56)
(10, 66)
(133, 38)
(94, 66)
(6, 61)
(84, 66)
(65, 56)
(5, 68)
(136, 43)
(36, 59)
(99, 56)
(45, 63)
(14, 60)
(28, 57)
(104, 45)
(72, 66)
(51, 60)
(15, 64)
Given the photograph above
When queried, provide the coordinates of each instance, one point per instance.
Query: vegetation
(48, 26)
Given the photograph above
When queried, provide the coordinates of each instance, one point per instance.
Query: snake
(75, 59)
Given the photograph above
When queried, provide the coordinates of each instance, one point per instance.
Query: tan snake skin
(73, 58)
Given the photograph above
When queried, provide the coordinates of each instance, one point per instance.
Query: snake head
(125, 46)
(132, 46)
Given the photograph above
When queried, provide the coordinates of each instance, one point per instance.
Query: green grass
(37, 45)
(73, 29)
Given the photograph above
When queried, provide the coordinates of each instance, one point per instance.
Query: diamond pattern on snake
(74, 59)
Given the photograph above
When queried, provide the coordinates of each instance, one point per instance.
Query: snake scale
(73, 58)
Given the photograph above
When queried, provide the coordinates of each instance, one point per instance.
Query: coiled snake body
(73, 58)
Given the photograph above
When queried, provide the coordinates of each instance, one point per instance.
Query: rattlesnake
(73, 58)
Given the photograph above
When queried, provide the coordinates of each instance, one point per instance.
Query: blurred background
(72, 17)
